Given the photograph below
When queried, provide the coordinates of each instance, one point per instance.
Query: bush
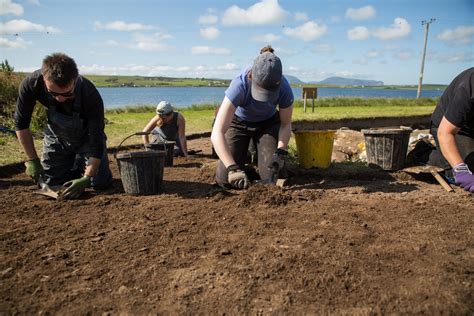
(9, 84)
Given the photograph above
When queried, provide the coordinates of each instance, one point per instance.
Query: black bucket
(141, 171)
(167, 146)
(387, 148)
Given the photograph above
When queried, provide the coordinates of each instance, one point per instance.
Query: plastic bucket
(314, 148)
(141, 171)
(167, 146)
(387, 148)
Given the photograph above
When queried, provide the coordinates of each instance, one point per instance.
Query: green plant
(9, 83)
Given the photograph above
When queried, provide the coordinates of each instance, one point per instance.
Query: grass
(123, 122)
(139, 81)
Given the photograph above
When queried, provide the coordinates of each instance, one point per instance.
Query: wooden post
(309, 92)
(304, 103)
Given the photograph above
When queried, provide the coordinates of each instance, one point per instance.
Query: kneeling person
(452, 126)
(74, 144)
(167, 125)
(249, 113)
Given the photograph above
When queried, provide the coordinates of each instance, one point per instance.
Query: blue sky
(378, 40)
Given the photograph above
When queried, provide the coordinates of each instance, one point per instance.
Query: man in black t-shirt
(452, 126)
(74, 149)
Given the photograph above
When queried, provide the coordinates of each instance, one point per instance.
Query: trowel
(45, 189)
(276, 177)
(434, 171)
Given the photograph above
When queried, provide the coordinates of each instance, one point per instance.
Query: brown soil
(345, 240)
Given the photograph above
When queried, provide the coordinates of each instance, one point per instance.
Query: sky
(315, 39)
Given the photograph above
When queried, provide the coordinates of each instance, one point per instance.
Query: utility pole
(427, 27)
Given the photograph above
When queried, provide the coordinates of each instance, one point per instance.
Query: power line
(427, 26)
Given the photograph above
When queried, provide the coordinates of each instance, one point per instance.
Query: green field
(123, 122)
(139, 81)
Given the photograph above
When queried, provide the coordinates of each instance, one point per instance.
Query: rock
(122, 289)
(225, 252)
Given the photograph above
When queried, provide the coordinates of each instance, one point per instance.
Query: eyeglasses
(65, 95)
(68, 94)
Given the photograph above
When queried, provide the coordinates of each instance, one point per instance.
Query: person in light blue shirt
(258, 106)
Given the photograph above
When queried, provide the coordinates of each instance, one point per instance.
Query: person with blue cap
(167, 125)
(249, 112)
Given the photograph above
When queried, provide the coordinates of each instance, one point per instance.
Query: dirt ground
(344, 240)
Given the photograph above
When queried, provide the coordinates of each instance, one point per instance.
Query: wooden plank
(441, 181)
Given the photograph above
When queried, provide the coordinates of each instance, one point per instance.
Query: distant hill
(336, 81)
(293, 79)
(339, 81)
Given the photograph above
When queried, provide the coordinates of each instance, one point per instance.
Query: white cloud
(301, 16)
(8, 7)
(266, 38)
(373, 54)
(210, 32)
(228, 66)
(112, 43)
(459, 57)
(123, 27)
(403, 55)
(306, 32)
(460, 35)
(360, 14)
(208, 19)
(17, 43)
(293, 69)
(358, 33)
(361, 61)
(323, 48)
(226, 70)
(146, 43)
(262, 13)
(153, 43)
(21, 26)
(288, 52)
(207, 50)
(399, 28)
(344, 73)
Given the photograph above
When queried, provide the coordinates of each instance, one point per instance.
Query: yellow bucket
(314, 148)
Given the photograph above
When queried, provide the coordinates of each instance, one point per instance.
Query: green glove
(34, 168)
(76, 187)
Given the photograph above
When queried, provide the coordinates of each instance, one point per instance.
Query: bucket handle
(131, 135)
(123, 140)
(159, 141)
(163, 142)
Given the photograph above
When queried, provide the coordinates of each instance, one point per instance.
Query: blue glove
(464, 177)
